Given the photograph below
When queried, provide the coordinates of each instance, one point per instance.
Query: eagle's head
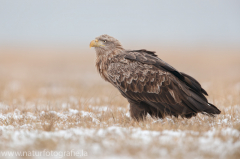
(105, 44)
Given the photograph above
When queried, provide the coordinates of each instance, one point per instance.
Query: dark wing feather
(149, 57)
(153, 53)
(191, 82)
(144, 78)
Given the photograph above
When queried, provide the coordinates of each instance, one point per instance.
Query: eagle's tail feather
(212, 110)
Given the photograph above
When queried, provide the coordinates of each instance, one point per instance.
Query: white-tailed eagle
(150, 85)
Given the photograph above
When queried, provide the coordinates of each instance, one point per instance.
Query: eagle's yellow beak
(95, 43)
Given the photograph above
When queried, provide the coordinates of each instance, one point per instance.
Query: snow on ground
(113, 138)
(118, 141)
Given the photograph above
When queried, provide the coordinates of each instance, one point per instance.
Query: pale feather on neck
(104, 59)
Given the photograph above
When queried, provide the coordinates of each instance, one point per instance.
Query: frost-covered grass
(59, 103)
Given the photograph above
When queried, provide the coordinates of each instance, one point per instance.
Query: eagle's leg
(155, 113)
(138, 111)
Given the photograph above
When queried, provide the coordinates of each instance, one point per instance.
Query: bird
(150, 85)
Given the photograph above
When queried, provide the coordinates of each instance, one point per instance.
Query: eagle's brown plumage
(150, 85)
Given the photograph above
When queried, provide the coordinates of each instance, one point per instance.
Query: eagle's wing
(149, 57)
(142, 77)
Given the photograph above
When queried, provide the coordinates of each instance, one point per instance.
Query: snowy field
(71, 129)
(54, 105)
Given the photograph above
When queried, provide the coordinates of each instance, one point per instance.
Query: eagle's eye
(104, 41)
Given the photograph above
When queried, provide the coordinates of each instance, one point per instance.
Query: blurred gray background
(158, 22)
